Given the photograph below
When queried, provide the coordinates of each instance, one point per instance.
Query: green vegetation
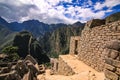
(47, 65)
(27, 44)
(113, 17)
(6, 37)
(11, 51)
(58, 41)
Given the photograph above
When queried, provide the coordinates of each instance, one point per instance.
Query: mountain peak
(76, 24)
(2, 21)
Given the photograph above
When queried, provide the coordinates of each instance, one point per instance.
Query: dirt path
(83, 71)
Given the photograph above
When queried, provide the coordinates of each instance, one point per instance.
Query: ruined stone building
(98, 46)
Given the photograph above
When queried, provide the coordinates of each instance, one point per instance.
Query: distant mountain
(49, 35)
(22, 40)
(53, 38)
(58, 41)
(34, 26)
(6, 36)
(3, 22)
(78, 24)
(113, 17)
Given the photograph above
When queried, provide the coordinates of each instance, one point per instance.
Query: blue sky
(57, 11)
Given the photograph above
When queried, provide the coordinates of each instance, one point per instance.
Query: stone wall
(112, 61)
(54, 65)
(92, 42)
(93, 23)
(64, 68)
(72, 44)
(26, 69)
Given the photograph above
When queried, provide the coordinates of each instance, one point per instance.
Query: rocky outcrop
(57, 42)
(26, 69)
(27, 44)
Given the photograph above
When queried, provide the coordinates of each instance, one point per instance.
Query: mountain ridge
(34, 26)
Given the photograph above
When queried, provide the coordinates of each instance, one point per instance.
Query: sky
(57, 11)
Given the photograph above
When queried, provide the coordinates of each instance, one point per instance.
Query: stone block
(21, 68)
(109, 67)
(13, 75)
(30, 58)
(114, 54)
(116, 63)
(33, 68)
(109, 61)
(118, 71)
(111, 75)
(114, 44)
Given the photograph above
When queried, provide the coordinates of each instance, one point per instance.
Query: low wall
(64, 68)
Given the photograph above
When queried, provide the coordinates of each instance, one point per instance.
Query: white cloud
(107, 3)
(111, 3)
(49, 11)
(98, 6)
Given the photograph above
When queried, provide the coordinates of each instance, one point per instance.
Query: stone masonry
(112, 60)
(92, 42)
(64, 68)
(74, 44)
(98, 47)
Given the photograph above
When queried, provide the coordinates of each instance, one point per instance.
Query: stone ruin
(93, 23)
(26, 69)
(98, 46)
(112, 60)
(54, 65)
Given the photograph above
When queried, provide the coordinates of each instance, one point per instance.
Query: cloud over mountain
(57, 11)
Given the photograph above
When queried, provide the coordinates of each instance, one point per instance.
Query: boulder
(114, 54)
(114, 44)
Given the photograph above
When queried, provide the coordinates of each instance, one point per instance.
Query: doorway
(76, 47)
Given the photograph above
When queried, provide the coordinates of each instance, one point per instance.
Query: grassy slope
(6, 36)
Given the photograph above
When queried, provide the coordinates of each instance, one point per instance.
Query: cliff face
(6, 36)
(58, 41)
(27, 44)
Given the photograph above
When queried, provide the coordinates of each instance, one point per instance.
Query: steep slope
(36, 27)
(3, 22)
(27, 44)
(113, 17)
(6, 36)
(57, 42)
